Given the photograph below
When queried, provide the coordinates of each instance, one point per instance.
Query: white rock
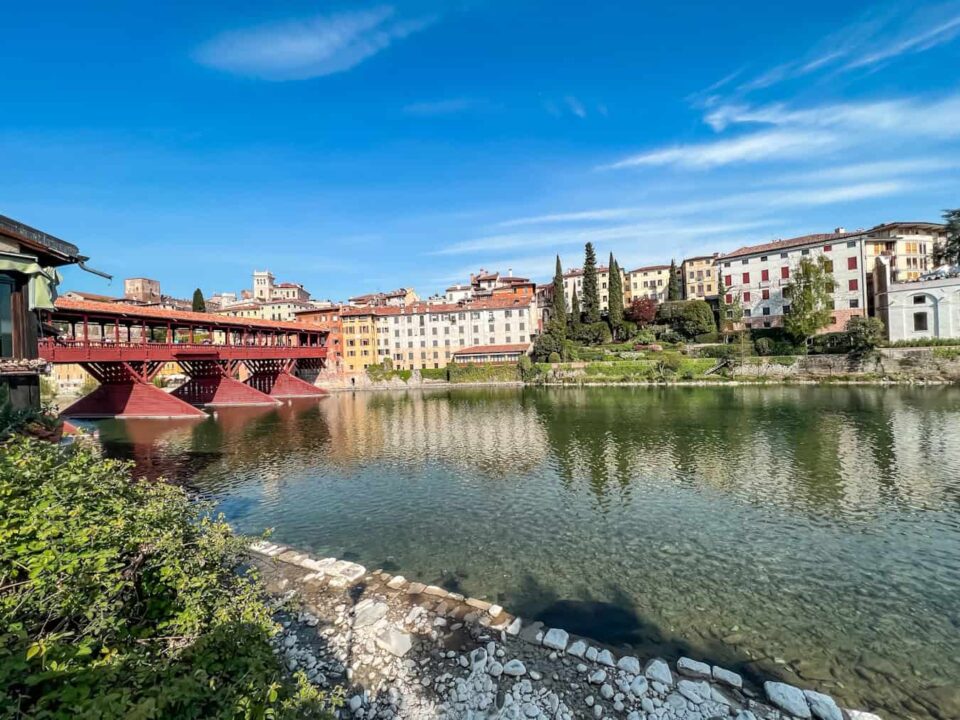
(639, 686)
(514, 668)
(605, 658)
(629, 664)
(592, 653)
(597, 677)
(695, 692)
(658, 670)
(606, 692)
(577, 648)
(394, 641)
(862, 715)
(356, 702)
(693, 668)
(495, 669)
(728, 677)
(367, 612)
(823, 706)
(788, 698)
(494, 610)
(556, 639)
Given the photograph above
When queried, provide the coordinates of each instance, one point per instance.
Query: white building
(918, 309)
(651, 282)
(760, 276)
(427, 336)
(573, 280)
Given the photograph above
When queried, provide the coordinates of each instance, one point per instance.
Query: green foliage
(199, 304)
(483, 372)
(554, 358)
(558, 312)
(125, 599)
(830, 343)
(593, 334)
(864, 333)
(696, 318)
(591, 287)
(545, 344)
(949, 250)
(674, 290)
(763, 346)
(926, 342)
(615, 301)
(434, 373)
(575, 319)
(48, 390)
(946, 353)
(810, 296)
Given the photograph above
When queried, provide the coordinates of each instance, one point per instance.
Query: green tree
(810, 293)
(615, 304)
(591, 289)
(198, 302)
(575, 318)
(948, 252)
(696, 318)
(864, 333)
(558, 308)
(124, 598)
(674, 291)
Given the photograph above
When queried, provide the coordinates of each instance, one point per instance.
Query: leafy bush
(833, 342)
(571, 352)
(696, 318)
(926, 342)
(434, 373)
(125, 599)
(710, 337)
(483, 372)
(864, 333)
(545, 344)
(720, 352)
(592, 334)
(946, 353)
(554, 358)
(763, 346)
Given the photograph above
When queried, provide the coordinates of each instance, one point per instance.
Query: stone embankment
(403, 649)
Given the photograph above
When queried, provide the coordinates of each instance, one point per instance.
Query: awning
(42, 282)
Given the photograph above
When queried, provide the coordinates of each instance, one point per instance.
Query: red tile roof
(137, 312)
(575, 272)
(779, 245)
(650, 267)
(491, 349)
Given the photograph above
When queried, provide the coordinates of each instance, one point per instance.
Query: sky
(360, 147)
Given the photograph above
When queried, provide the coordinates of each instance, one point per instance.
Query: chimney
(840, 230)
(509, 272)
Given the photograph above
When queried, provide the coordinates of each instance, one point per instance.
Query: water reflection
(811, 534)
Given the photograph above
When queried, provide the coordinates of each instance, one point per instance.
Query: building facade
(700, 279)
(759, 276)
(573, 280)
(652, 281)
(917, 309)
(141, 290)
(400, 297)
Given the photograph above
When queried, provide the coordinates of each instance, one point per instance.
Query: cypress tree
(674, 291)
(198, 302)
(558, 310)
(615, 304)
(574, 311)
(591, 291)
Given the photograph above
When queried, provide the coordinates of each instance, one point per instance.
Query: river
(810, 534)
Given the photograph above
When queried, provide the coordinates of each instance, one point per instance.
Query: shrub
(125, 599)
(864, 333)
(434, 373)
(763, 346)
(545, 344)
(483, 372)
(706, 338)
(827, 343)
(592, 334)
(554, 358)
(696, 318)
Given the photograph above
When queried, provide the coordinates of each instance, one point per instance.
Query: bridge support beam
(276, 379)
(126, 390)
(212, 383)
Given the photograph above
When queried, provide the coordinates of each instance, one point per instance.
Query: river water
(810, 534)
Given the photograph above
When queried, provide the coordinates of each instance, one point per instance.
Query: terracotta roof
(238, 306)
(153, 313)
(511, 280)
(701, 257)
(779, 245)
(289, 285)
(489, 349)
(94, 296)
(920, 224)
(650, 267)
(488, 276)
(459, 287)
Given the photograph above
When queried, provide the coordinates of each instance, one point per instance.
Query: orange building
(330, 319)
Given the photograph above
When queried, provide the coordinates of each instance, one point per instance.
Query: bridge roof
(210, 320)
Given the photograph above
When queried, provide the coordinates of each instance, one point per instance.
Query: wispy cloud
(575, 106)
(886, 169)
(752, 201)
(449, 106)
(301, 49)
(878, 36)
(755, 147)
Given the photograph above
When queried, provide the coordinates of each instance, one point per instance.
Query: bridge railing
(72, 351)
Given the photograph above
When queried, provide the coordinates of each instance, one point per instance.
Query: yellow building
(699, 277)
(907, 246)
(359, 338)
(651, 282)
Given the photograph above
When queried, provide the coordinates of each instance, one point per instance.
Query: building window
(746, 297)
(728, 280)
(783, 255)
(920, 322)
(919, 299)
(785, 272)
(852, 263)
(805, 251)
(766, 310)
(746, 278)
(853, 285)
(855, 303)
(764, 276)
(729, 299)
(765, 294)
(851, 244)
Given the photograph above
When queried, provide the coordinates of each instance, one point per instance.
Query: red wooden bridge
(124, 346)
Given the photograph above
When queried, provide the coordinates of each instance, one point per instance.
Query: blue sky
(356, 147)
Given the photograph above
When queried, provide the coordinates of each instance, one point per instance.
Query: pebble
(514, 668)
(556, 639)
(629, 664)
(788, 698)
(693, 668)
(658, 670)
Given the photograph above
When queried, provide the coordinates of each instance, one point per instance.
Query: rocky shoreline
(403, 649)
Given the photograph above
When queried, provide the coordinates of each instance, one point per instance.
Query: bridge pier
(127, 391)
(212, 383)
(276, 379)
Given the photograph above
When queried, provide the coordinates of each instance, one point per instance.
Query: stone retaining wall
(408, 650)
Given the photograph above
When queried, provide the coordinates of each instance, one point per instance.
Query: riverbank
(406, 650)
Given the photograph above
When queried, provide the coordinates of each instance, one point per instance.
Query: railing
(68, 351)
